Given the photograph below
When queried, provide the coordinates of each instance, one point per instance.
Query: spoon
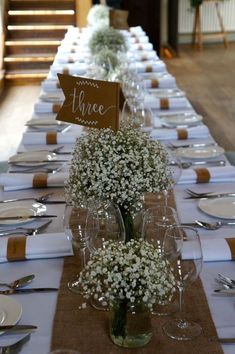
(213, 225)
(186, 165)
(18, 283)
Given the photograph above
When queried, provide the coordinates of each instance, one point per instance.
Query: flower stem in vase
(119, 319)
(128, 224)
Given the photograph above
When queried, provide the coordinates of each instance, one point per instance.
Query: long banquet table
(39, 309)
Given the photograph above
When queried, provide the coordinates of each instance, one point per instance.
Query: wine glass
(175, 170)
(78, 229)
(157, 221)
(186, 269)
(142, 118)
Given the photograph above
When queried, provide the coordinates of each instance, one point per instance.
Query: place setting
(48, 124)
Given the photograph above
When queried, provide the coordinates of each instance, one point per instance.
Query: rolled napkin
(151, 101)
(200, 131)
(141, 46)
(212, 249)
(70, 58)
(50, 138)
(18, 248)
(52, 96)
(49, 85)
(47, 107)
(162, 82)
(148, 66)
(143, 56)
(18, 181)
(206, 175)
(138, 39)
(71, 69)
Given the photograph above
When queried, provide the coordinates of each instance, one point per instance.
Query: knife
(211, 196)
(224, 292)
(17, 328)
(36, 161)
(226, 340)
(193, 145)
(21, 217)
(27, 291)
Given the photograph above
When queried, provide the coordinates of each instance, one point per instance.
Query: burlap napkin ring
(40, 180)
(154, 83)
(51, 138)
(164, 103)
(16, 248)
(182, 134)
(203, 175)
(231, 243)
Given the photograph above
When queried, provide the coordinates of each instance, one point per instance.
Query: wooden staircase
(33, 33)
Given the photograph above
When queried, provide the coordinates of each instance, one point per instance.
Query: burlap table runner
(87, 330)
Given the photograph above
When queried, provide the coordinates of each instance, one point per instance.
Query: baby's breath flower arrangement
(107, 37)
(117, 167)
(127, 274)
(98, 15)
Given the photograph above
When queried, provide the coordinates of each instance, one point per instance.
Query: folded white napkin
(148, 66)
(44, 246)
(83, 51)
(142, 55)
(53, 96)
(141, 46)
(164, 82)
(138, 39)
(70, 58)
(38, 138)
(217, 174)
(18, 181)
(71, 69)
(49, 85)
(136, 29)
(45, 107)
(200, 131)
(151, 101)
(212, 250)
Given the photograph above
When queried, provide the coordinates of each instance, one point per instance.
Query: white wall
(209, 17)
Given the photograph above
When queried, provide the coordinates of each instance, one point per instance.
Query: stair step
(43, 18)
(39, 12)
(31, 42)
(13, 74)
(42, 57)
(31, 45)
(42, 4)
(35, 27)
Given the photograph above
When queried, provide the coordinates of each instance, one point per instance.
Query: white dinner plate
(47, 124)
(11, 311)
(32, 158)
(223, 207)
(189, 119)
(23, 208)
(203, 152)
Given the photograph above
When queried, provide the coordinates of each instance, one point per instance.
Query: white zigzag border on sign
(92, 122)
(88, 83)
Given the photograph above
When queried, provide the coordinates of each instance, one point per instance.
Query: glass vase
(130, 324)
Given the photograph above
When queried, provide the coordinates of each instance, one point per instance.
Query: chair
(197, 28)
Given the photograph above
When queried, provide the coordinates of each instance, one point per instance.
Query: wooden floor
(16, 107)
(208, 78)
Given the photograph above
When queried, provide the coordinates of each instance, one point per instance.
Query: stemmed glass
(175, 170)
(157, 221)
(142, 118)
(186, 268)
(78, 229)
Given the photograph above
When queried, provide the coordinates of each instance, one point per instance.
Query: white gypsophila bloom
(107, 37)
(98, 15)
(116, 167)
(118, 281)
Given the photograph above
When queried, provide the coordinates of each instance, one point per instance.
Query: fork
(40, 199)
(25, 230)
(39, 169)
(197, 194)
(16, 347)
